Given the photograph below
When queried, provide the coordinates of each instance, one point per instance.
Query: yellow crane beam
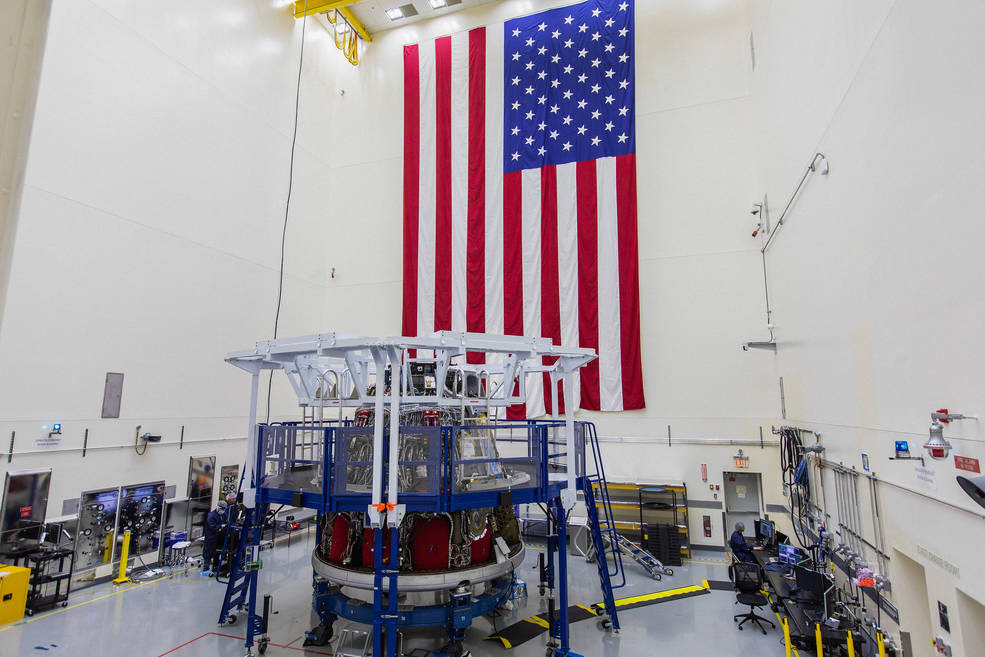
(312, 7)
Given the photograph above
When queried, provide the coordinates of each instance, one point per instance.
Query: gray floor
(176, 616)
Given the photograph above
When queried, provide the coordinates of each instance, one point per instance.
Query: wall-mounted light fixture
(937, 446)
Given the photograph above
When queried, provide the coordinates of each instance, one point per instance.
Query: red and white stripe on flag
(546, 252)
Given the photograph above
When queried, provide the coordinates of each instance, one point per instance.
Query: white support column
(396, 515)
(570, 494)
(252, 448)
(379, 357)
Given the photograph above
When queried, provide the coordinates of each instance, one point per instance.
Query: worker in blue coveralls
(738, 544)
(213, 523)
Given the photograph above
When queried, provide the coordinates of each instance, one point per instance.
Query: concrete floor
(176, 616)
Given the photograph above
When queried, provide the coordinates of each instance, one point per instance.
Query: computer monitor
(811, 582)
(767, 530)
(790, 554)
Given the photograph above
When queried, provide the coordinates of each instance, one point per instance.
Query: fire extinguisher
(707, 526)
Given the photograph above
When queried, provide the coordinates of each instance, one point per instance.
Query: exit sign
(967, 463)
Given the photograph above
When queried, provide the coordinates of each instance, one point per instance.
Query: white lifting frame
(312, 362)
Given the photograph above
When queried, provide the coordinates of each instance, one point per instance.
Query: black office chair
(748, 580)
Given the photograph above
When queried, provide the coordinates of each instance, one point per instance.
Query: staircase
(603, 529)
(241, 587)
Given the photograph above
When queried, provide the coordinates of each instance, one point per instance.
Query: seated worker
(213, 523)
(738, 544)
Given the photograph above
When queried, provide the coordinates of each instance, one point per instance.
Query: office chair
(748, 580)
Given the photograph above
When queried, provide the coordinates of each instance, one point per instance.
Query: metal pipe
(569, 429)
(249, 499)
(393, 482)
(380, 360)
(807, 172)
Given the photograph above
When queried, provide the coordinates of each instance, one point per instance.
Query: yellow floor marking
(117, 592)
(660, 594)
(792, 647)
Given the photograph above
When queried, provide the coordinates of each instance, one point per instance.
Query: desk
(802, 631)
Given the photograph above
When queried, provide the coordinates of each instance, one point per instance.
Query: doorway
(910, 589)
(743, 495)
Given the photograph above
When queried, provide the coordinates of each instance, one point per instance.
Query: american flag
(519, 194)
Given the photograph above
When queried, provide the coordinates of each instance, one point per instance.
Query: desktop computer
(765, 531)
(790, 554)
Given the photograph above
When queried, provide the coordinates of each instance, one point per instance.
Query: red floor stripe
(240, 638)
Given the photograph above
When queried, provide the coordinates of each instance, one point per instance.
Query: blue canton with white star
(569, 85)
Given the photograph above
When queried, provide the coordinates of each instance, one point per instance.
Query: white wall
(699, 282)
(876, 276)
(149, 230)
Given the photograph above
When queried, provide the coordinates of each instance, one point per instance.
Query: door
(742, 500)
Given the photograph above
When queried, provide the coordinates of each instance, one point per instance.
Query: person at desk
(740, 550)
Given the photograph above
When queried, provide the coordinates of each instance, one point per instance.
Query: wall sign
(967, 463)
(942, 616)
(865, 461)
(228, 480)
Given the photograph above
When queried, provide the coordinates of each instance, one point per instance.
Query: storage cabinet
(639, 510)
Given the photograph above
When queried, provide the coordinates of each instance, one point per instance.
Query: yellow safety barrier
(851, 645)
(881, 642)
(817, 636)
(786, 636)
(124, 555)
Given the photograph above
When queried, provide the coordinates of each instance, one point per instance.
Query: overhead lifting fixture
(347, 29)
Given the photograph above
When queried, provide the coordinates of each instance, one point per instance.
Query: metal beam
(313, 7)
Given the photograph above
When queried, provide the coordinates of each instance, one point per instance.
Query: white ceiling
(370, 12)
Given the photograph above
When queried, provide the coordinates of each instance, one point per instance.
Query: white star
(555, 83)
(608, 100)
(582, 28)
(541, 151)
(516, 32)
(608, 47)
(529, 66)
(567, 94)
(622, 6)
(623, 137)
(541, 75)
(609, 73)
(566, 146)
(516, 104)
(582, 129)
(516, 81)
(566, 120)
(516, 156)
(554, 109)
(609, 126)
(530, 42)
(569, 43)
(515, 130)
(529, 90)
(542, 100)
(595, 141)
(595, 88)
(596, 36)
(596, 114)
(582, 52)
(541, 125)
(596, 62)
(567, 69)
(624, 84)
(556, 33)
(581, 104)
(609, 22)
(555, 59)
(623, 111)
(530, 115)
(543, 49)
(582, 77)
(516, 56)
(542, 27)
(567, 21)
(553, 134)
(596, 12)
(622, 58)
(529, 140)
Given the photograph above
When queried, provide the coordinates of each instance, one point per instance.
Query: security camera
(756, 208)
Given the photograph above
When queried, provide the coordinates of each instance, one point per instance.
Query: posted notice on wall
(925, 477)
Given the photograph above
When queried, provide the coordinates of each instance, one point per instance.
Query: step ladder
(241, 587)
(650, 563)
(603, 531)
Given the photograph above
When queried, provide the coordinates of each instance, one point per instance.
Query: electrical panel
(96, 531)
(141, 510)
